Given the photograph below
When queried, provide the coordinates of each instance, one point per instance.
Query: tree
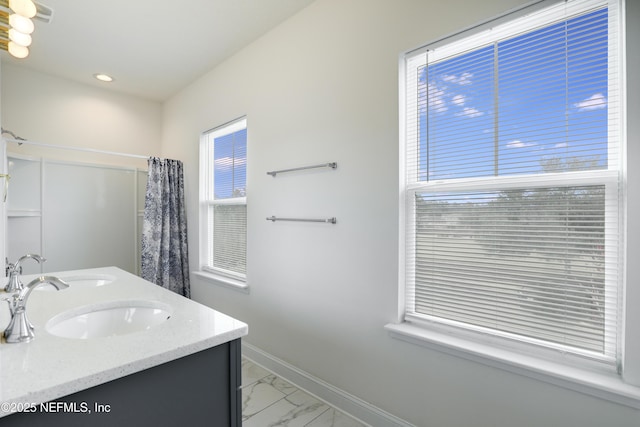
(554, 233)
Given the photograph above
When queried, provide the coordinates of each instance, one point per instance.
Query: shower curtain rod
(88, 150)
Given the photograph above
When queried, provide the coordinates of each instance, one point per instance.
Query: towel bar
(332, 165)
(327, 220)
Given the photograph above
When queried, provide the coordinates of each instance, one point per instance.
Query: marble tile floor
(270, 401)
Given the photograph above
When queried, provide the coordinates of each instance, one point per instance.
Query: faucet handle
(11, 267)
(12, 301)
(15, 270)
(20, 328)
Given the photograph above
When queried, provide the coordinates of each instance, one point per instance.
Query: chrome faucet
(15, 270)
(20, 329)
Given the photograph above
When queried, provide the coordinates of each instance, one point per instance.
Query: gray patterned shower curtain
(165, 260)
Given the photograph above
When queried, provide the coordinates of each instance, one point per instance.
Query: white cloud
(560, 145)
(594, 102)
(519, 144)
(226, 163)
(463, 79)
(470, 112)
(436, 99)
(458, 100)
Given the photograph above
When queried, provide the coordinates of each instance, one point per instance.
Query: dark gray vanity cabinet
(201, 389)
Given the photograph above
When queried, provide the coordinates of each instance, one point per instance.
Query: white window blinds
(512, 185)
(225, 165)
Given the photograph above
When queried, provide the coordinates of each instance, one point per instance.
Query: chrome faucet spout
(57, 283)
(20, 328)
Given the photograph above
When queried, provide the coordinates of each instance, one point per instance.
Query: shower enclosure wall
(75, 214)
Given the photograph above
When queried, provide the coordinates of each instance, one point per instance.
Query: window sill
(223, 281)
(602, 385)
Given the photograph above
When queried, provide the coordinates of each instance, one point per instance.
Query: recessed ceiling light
(103, 77)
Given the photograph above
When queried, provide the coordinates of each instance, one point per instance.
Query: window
(224, 200)
(512, 194)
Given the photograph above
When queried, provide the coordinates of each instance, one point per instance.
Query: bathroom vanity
(114, 349)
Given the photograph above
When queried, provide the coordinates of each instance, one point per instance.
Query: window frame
(544, 364)
(212, 274)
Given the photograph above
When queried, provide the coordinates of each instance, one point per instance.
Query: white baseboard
(348, 403)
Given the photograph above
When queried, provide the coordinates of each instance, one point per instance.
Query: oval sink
(108, 319)
(87, 281)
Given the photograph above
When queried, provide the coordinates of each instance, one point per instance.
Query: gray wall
(323, 87)
(633, 183)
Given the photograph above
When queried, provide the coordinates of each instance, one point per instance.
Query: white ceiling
(153, 48)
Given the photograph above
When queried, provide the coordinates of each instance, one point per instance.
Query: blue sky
(230, 165)
(550, 102)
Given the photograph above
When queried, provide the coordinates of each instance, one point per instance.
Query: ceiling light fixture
(20, 38)
(25, 8)
(103, 77)
(17, 50)
(21, 23)
(16, 25)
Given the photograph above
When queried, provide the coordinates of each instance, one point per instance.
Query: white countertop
(50, 367)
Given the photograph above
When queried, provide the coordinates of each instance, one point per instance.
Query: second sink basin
(86, 281)
(108, 319)
(89, 280)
